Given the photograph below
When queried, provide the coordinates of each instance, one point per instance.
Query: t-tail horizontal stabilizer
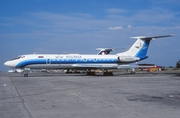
(151, 37)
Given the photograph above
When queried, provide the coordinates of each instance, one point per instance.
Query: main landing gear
(70, 71)
(105, 73)
(91, 73)
(108, 74)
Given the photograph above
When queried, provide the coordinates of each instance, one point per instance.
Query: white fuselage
(61, 61)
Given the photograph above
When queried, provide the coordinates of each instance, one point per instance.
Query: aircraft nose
(9, 64)
(6, 63)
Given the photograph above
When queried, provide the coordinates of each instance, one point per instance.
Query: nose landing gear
(26, 70)
(26, 75)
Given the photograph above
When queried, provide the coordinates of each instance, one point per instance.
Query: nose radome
(6, 63)
(9, 64)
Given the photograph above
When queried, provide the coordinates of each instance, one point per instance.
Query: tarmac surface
(79, 96)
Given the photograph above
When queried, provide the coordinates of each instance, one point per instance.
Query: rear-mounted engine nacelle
(127, 59)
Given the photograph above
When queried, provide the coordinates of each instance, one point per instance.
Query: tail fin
(140, 47)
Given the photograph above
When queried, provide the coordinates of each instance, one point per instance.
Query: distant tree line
(178, 64)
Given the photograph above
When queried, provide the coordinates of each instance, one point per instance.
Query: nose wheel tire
(26, 75)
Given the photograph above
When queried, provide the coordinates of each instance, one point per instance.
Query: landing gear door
(48, 60)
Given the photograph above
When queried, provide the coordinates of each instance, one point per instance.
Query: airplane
(137, 52)
(106, 51)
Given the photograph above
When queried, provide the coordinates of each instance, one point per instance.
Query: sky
(81, 26)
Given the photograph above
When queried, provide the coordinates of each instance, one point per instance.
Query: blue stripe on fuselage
(30, 62)
(64, 61)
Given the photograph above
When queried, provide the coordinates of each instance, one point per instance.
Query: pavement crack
(21, 98)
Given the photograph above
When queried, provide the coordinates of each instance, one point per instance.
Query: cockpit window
(18, 57)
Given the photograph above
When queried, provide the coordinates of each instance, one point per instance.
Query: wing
(95, 66)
